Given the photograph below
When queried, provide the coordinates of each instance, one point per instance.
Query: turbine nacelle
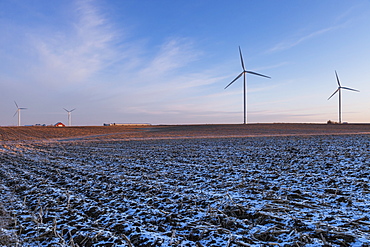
(244, 71)
(69, 110)
(340, 87)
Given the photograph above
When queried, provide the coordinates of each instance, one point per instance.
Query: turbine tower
(69, 115)
(339, 90)
(19, 112)
(243, 73)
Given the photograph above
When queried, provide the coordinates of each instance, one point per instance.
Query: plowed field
(210, 185)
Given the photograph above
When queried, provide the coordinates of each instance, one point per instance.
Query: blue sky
(167, 62)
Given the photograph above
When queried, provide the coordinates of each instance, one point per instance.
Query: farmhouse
(59, 124)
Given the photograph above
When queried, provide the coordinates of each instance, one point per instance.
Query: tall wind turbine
(243, 73)
(339, 90)
(69, 115)
(19, 113)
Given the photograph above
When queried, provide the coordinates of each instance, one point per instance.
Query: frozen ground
(260, 191)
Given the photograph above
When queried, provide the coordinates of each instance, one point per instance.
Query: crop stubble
(245, 191)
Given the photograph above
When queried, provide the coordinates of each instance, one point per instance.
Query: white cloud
(174, 54)
(73, 55)
(285, 45)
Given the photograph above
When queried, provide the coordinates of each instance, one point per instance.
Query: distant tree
(331, 122)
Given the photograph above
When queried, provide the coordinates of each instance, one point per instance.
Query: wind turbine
(243, 73)
(19, 113)
(69, 115)
(340, 95)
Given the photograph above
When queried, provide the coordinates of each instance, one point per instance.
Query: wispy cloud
(349, 12)
(285, 45)
(74, 55)
(79, 52)
(173, 54)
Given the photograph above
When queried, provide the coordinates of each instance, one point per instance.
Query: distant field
(175, 131)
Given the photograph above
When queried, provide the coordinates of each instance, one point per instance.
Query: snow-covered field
(259, 191)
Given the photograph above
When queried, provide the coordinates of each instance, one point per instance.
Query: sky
(168, 62)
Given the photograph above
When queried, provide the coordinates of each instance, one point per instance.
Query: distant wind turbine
(19, 113)
(69, 115)
(340, 95)
(243, 73)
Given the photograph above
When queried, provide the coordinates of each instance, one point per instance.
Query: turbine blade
(241, 58)
(16, 104)
(337, 78)
(350, 89)
(254, 73)
(65, 109)
(22, 108)
(73, 109)
(234, 79)
(15, 113)
(334, 93)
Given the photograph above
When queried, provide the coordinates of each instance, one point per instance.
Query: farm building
(126, 124)
(59, 124)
